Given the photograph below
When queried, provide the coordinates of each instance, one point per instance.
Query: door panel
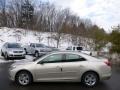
(50, 68)
(48, 71)
(71, 70)
(72, 66)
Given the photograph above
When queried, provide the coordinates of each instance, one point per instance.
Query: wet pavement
(6, 84)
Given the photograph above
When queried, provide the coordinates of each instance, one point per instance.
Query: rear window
(74, 57)
(79, 48)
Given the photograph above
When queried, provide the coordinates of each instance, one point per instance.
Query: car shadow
(59, 86)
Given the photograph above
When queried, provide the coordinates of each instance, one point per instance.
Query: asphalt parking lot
(6, 84)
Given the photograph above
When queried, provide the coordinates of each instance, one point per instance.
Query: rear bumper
(106, 73)
(106, 76)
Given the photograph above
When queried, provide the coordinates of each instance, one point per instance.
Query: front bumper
(11, 75)
(13, 55)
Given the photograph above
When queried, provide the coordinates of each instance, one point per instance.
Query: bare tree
(3, 17)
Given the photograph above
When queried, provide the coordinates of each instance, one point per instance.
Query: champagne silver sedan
(61, 66)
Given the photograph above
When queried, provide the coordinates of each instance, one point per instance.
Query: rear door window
(73, 57)
(79, 48)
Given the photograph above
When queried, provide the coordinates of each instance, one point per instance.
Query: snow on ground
(28, 58)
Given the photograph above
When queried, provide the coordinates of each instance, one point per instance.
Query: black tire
(6, 56)
(26, 51)
(20, 81)
(90, 82)
(36, 54)
(23, 57)
(2, 53)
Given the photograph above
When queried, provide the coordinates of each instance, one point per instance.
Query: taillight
(108, 63)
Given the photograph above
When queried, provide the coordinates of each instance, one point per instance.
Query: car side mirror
(41, 62)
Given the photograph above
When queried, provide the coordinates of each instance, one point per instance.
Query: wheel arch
(36, 51)
(92, 72)
(24, 70)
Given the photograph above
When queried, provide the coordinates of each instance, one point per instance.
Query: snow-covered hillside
(26, 36)
(23, 37)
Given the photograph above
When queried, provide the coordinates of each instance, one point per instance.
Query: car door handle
(60, 68)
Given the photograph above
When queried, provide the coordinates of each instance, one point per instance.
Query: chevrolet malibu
(61, 66)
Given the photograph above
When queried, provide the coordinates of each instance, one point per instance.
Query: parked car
(37, 49)
(12, 50)
(61, 66)
(74, 48)
(80, 49)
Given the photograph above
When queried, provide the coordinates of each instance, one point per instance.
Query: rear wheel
(23, 57)
(90, 79)
(23, 78)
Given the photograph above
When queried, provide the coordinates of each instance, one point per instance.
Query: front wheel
(26, 51)
(6, 56)
(90, 79)
(36, 54)
(23, 78)
(2, 53)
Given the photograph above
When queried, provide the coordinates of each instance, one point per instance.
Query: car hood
(22, 63)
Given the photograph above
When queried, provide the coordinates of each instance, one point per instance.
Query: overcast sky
(105, 13)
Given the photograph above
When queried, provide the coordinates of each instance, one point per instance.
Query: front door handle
(60, 68)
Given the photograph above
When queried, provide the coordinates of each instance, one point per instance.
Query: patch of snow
(28, 58)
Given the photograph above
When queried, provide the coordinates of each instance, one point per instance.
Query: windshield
(14, 45)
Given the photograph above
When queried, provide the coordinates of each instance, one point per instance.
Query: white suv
(12, 50)
(80, 49)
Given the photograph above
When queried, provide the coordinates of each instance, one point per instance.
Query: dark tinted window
(79, 48)
(53, 58)
(40, 45)
(73, 48)
(74, 57)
